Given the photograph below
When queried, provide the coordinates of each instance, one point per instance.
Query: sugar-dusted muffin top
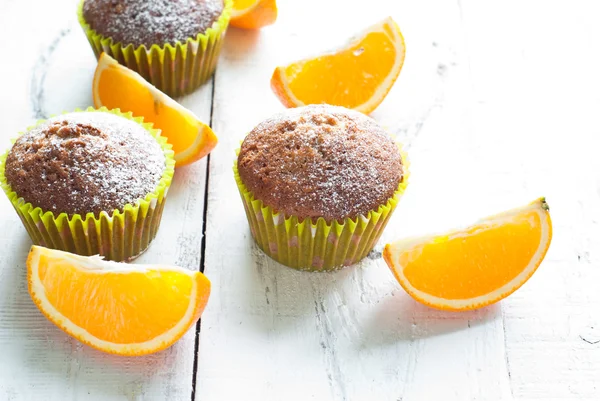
(84, 162)
(320, 161)
(148, 22)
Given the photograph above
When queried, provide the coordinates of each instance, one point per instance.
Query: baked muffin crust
(84, 162)
(148, 22)
(320, 161)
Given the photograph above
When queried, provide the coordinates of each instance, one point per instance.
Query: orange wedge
(358, 76)
(476, 266)
(253, 14)
(118, 87)
(115, 307)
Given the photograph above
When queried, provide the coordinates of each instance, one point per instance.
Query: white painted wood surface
(497, 103)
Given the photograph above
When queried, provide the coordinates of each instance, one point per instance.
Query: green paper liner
(174, 69)
(321, 246)
(116, 235)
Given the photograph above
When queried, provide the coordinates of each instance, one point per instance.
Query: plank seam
(506, 360)
(203, 244)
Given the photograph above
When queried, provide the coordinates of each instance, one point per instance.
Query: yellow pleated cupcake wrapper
(116, 235)
(320, 246)
(174, 69)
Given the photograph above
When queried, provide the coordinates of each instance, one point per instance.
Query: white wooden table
(498, 103)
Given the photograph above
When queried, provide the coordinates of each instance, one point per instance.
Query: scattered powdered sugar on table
(320, 161)
(85, 162)
(148, 22)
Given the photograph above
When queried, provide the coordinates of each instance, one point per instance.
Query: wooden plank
(272, 333)
(537, 91)
(497, 104)
(38, 360)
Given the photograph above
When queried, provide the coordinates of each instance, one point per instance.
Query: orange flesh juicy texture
(489, 259)
(116, 86)
(253, 14)
(105, 294)
(114, 302)
(241, 5)
(441, 268)
(358, 76)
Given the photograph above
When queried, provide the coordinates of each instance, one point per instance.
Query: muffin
(319, 184)
(89, 182)
(174, 44)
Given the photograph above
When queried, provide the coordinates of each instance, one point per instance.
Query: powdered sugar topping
(85, 162)
(148, 22)
(320, 161)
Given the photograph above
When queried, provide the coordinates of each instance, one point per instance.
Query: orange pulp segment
(253, 14)
(358, 76)
(115, 307)
(116, 86)
(475, 266)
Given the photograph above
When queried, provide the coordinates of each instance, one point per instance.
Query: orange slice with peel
(115, 307)
(357, 76)
(475, 266)
(117, 87)
(253, 14)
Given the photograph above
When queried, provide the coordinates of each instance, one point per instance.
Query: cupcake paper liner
(116, 235)
(321, 246)
(174, 69)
